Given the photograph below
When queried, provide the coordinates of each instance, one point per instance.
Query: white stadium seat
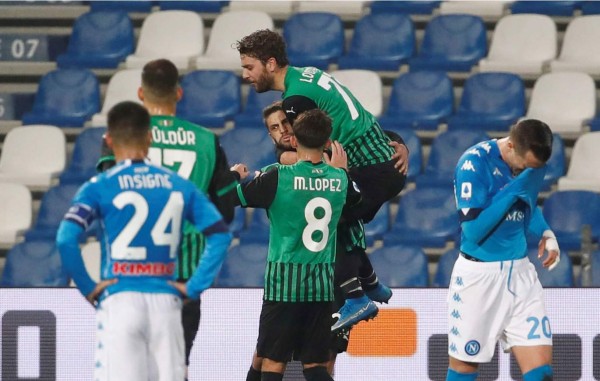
(15, 212)
(365, 85)
(581, 47)
(584, 167)
(123, 86)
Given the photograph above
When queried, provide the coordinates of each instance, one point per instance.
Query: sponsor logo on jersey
(486, 146)
(497, 172)
(474, 151)
(515, 215)
(466, 190)
(144, 268)
(472, 347)
(455, 331)
(290, 111)
(455, 314)
(467, 166)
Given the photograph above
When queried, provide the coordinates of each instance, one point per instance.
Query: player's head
(160, 82)
(530, 143)
(312, 129)
(278, 126)
(128, 126)
(261, 54)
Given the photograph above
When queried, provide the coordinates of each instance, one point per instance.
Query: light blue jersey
(141, 208)
(481, 183)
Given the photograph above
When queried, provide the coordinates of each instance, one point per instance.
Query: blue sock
(541, 373)
(455, 376)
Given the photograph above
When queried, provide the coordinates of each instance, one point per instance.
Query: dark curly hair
(262, 45)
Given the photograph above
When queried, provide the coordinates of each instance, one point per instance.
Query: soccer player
(194, 153)
(494, 292)
(370, 157)
(296, 312)
(141, 208)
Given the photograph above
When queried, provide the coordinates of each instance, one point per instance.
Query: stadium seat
(279, 8)
(65, 98)
(99, 40)
(181, 42)
(249, 146)
(227, 29)
(415, 151)
(564, 100)
(85, 156)
(365, 85)
(419, 101)
(550, 8)
(426, 217)
(401, 266)
(344, 9)
(451, 43)
(15, 212)
(522, 44)
(580, 50)
(486, 9)
(34, 264)
(567, 211)
(33, 156)
(239, 222)
(379, 225)
(206, 6)
(258, 228)
(255, 103)
(590, 7)
(314, 38)
(584, 166)
(122, 86)
(210, 97)
(244, 266)
(55, 203)
(446, 148)
(421, 7)
(381, 41)
(560, 276)
(445, 265)
(141, 6)
(14, 105)
(490, 102)
(555, 167)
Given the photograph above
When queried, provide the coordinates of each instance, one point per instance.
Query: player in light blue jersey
(141, 208)
(494, 292)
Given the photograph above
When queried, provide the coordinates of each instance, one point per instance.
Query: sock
(455, 376)
(352, 289)
(271, 376)
(253, 375)
(317, 373)
(541, 373)
(369, 283)
(346, 272)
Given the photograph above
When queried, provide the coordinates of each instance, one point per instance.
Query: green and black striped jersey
(353, 126)
(304, 203)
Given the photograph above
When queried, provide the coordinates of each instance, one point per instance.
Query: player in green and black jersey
(194, 153)
(296, 313)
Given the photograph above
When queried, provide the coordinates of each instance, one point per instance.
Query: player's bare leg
(534, 362)
(459, 370)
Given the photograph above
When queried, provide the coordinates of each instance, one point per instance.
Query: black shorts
(378, 183)
(190, 319)
(299, 330)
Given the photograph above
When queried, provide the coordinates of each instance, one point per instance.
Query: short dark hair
(160, 79)
(312, 128)
(270, 109)
(532, 135)
(128, 123)
(262, 45)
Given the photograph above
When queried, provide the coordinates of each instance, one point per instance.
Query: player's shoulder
(478, 153)
(301, 77)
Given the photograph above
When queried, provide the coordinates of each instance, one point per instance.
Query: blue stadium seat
(210, 97)
(561, 276)
(14, 105)
(567, 211)
(443, 274)
(99, 40)
(244, 266)
(34, 264)
(419, 100)
(379, 225)
(415, 151)
(426, 217)
(85, 156)
(381, 41)
(556, 165)
(424, 7)
(65, 98)
(314, 38)
(121, 5)
(239, 222)
(490, 102)
(550, 8)
(401, 266)
(255, 103)
(249, 146)
(595, 268)
(590, 7)
(452, 42)
(55, 203)
(446, 149)
(205, 6)
(258, 228)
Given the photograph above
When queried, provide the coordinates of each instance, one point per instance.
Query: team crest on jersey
(467, 166)
(472, 347)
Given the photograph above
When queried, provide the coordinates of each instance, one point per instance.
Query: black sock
(346, 272)
(271, 376)
(352, 288)
(253, 375)
(370, 282)
(317, 373)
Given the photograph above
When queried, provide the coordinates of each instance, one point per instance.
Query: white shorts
(494, 301)
(139, 338)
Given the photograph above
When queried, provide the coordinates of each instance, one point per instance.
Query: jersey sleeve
(296, 105)
(222, 186)
(353, 197)
(260, 192)
(471, 185)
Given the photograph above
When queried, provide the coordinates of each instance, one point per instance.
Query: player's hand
(547, 246)
(401, 155)
(180, 286)
(338, 158)
(92, 297)
(242, 169)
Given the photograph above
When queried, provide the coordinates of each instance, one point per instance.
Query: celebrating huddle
(336, 168)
